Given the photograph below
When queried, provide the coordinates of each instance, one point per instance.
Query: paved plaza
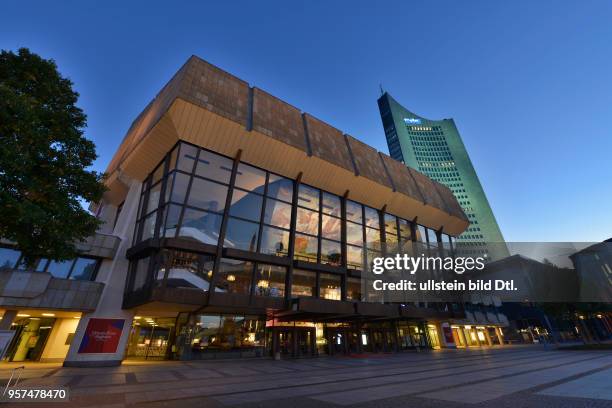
(520, 376)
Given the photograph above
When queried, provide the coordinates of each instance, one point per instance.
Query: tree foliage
(44, 160)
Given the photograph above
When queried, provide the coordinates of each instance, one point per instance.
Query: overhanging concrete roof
(207, 106)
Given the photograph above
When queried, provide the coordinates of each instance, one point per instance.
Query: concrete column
(113, 274)
(7, 319)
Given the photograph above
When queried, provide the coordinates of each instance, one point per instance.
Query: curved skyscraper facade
(435, 148)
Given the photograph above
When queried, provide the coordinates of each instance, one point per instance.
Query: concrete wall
(113, 274)
(56, 347)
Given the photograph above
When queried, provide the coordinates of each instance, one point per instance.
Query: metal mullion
(263, 212)
(399, 236)
(320, 227)
(224, 221)
(364, 244)
(145, 198)
(343, 247)
(383, 230)
(294, 201)
(162, 196)
(188, 191)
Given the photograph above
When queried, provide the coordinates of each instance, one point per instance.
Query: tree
(44, 160)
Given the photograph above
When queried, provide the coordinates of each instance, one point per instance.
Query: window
(308, 197)
(250, 178)
(214, 167)
(187, 270)
(246, 205)
(304, 283)
(177, 184)
(353, 212)
(331, 227)
(234, 276)
(60, 269)
(84, 269)
(270, 280)
(354, 234)
(187, 157)
(307, 221)
(200, 226)
(140, 271)
(371, 218)
(331, 252)
(354, 257)
(330, 285)
(207, 195)
(274, 241)
(331, 204)
(277, 213)
(8, 258)
(280, 188)
(241, 235)
(353, 288)
(306, 247)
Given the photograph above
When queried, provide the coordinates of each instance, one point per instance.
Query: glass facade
(211, 200)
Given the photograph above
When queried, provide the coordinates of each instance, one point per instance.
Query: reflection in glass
(241, 235)
(330, 252)
(8, 258)
(250, 178)
(277, 213)
(207, 195)
(331, 227)
(153, 202)
(353, 211)
(200, 226)
(280, 188)
(354, 234)
(405, 230)
(234, 276)
(140, 273)
(172, 214)
(331, 204)
(188, 270)
(330, 285)
(390, 224)
(306, 247)
(354, 257)
(274, 241)
(214, 167)
(270, 280)
(308, 197)
(179, 183)
(148, 226)
(304, 283)
(372, 238)
(246, 205)
(187, 156)
(84, 269)
(60, 269)
(307, 221)
(371, 218)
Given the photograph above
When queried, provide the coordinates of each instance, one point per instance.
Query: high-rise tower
(434, 147)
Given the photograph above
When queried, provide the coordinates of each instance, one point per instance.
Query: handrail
(8, 383)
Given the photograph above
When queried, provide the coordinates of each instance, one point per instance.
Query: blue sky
(529, 84)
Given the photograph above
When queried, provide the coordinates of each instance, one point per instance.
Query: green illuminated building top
(435, 148)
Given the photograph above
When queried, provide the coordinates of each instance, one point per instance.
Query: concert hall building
(241, 227)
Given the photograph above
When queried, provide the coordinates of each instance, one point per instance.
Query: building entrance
(292, 341)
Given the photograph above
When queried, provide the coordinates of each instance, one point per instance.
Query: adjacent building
(435, 148)
(240, 227)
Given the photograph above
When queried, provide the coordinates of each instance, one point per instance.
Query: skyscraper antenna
(381, 90)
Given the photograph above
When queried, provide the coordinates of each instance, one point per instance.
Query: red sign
(102, 336)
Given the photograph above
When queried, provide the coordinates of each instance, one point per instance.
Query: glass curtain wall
(186, 196)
